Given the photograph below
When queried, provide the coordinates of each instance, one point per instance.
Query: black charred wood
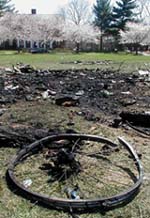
(135, 118)
(67, 100)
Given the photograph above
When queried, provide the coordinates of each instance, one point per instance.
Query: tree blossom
(28, 27)
(6, 27)
(80, 33)
(49, 28)
(135, 34)
(44, 29)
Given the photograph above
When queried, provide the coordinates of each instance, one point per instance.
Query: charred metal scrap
(138, 121)
(76, 204)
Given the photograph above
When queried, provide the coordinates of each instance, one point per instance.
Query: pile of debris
(103, 91)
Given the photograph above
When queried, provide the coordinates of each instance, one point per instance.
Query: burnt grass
(101, 91)
(100, 96)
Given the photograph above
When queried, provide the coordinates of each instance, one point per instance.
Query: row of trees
(76, 24)
(45, 28)
(127, 21)
(137, 35)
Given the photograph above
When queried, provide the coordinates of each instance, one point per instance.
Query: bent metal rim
(81, 204)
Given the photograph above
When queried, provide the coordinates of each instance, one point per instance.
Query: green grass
(53, 60)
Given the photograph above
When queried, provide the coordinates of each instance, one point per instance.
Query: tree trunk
(77, 47)
(136, 49)
(101, 43)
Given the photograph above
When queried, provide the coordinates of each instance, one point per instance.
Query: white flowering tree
(136, 34)
(80, 33)
(14, 26)
(44, 29)
(6, 28)
(23, 27)
(49, 29)
(77, 28)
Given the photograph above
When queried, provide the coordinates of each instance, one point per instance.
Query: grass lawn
(52, 116)
(129, 62)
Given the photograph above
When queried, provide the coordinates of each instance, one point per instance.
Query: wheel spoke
(99, 170)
